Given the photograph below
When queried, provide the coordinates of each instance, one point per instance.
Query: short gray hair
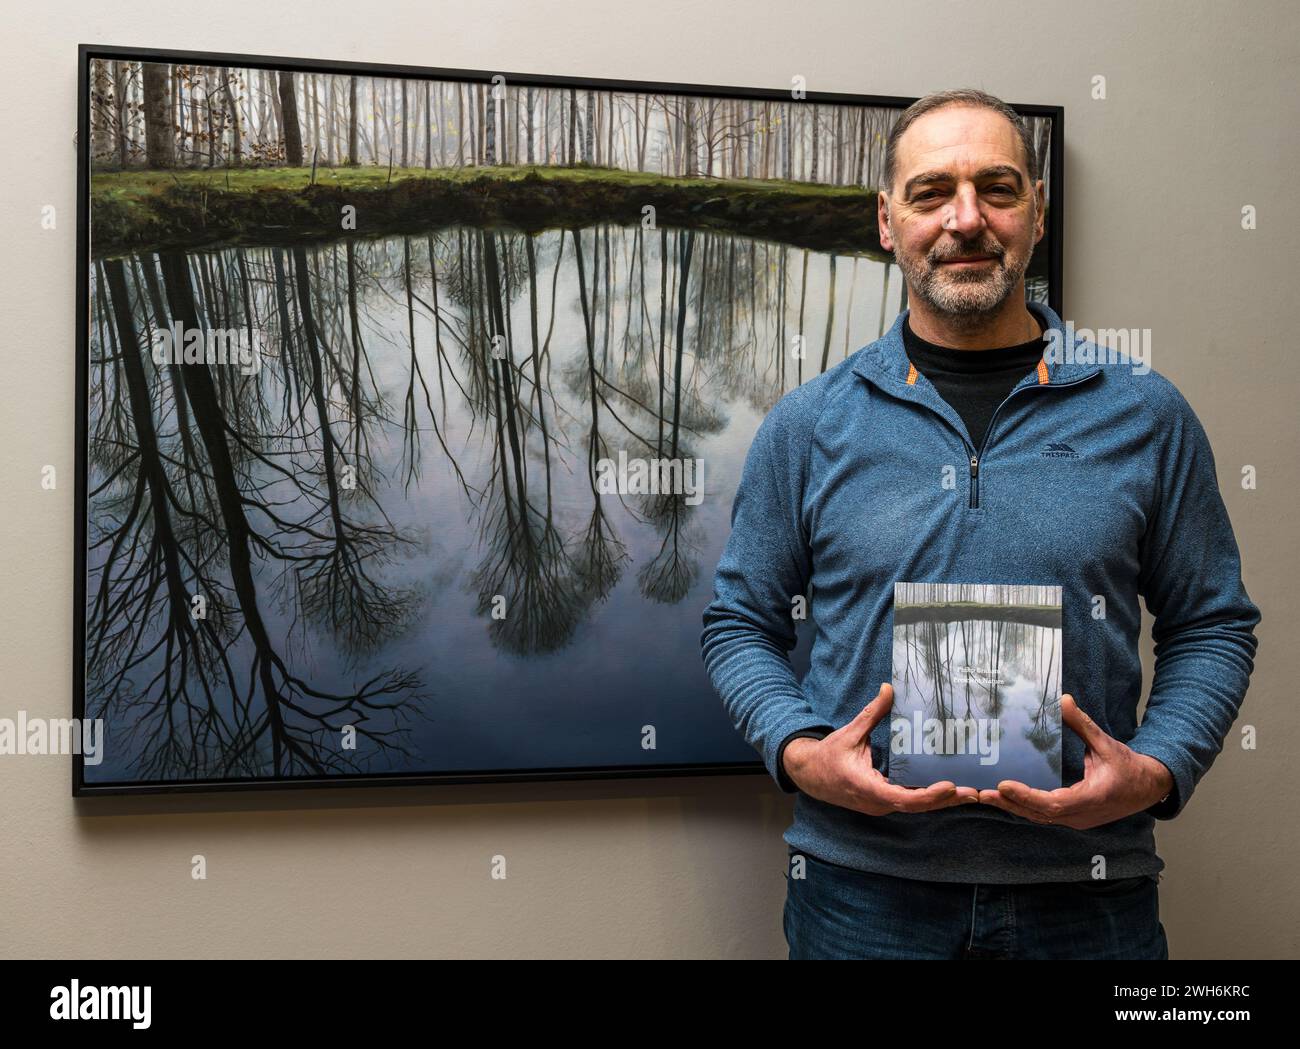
(966, 96)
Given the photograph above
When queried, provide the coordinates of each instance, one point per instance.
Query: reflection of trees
(142, 607)
(335, 584)
(411, 444)
(602, 553)
(900, 763)
(1044, 733)
(930, 644)
(270, 494)
(653, 425)
(527, 563)
(225, 486)
(295, 716)
(670, 574)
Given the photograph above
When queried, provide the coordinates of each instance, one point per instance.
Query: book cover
(977, 685)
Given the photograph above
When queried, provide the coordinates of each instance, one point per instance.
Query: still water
(390, 522)
(1000, 676)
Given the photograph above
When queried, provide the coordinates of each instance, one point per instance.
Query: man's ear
(882, 220)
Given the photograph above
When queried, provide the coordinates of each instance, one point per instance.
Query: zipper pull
(974, 466)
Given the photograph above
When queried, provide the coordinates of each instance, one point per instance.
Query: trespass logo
(101, 1003)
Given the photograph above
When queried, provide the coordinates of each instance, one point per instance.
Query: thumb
(871, 715)
(1091, 732)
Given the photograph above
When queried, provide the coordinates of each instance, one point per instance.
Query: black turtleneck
(974, 382)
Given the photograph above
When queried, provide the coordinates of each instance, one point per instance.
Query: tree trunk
(212, 128)
(101, 88)
(329, 122)
(442, 128)
(352, 122)
(292, 131)
(573, 125)
(428, 125)
(159, 145)
(589, 138)
(315, 122)
(236, 135)
(815, 158)
(120, 73)
(277, 107)
(405, 156)
(529, 127)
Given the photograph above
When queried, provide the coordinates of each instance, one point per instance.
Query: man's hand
(1117, 782)
(838, 770)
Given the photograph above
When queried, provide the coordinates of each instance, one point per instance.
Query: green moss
(148, 210)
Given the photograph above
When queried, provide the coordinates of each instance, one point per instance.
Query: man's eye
(928, 193)
(1004, 189)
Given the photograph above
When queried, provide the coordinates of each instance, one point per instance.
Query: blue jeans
(837, 912)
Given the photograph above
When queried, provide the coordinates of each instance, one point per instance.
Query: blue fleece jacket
(1095, 475)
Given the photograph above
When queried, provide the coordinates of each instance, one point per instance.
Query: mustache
(990, 252)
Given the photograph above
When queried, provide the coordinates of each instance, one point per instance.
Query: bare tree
(159, 143)
(292, 131)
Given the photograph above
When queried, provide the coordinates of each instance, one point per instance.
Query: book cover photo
(977, 685)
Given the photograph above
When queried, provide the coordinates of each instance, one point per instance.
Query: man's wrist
(796, 755)
(1164, 779)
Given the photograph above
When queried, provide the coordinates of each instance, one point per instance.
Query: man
(961, 447)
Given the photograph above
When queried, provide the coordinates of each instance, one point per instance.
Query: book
(977, 685)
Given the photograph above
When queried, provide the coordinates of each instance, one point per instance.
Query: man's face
(962, 193)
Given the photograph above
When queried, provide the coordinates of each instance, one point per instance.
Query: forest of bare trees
(159, 116)
(1019, 595)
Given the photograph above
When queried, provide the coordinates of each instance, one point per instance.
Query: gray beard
(967, 306)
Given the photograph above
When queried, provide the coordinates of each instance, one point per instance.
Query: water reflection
(382, 550)
(993, 670)
(392, 522)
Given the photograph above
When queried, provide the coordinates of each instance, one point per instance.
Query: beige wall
(1199, 120)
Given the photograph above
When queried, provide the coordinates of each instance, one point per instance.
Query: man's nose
(962, 214)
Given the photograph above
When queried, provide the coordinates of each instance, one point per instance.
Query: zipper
(975, 459)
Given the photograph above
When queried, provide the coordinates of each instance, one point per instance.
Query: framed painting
(412, 404)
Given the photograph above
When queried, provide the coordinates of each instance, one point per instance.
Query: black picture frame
(89, 52)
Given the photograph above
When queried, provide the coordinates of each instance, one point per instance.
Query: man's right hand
(838, 769)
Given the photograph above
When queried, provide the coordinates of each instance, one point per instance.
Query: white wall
(1199, 120)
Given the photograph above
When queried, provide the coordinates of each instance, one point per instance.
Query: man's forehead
(960, 136)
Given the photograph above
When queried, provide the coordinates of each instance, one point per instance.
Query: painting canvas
(413, 404)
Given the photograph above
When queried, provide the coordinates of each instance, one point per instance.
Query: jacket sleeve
(1190, 578)
(782, 777)
(749, 626)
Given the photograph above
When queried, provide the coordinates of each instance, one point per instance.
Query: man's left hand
(1117, 782)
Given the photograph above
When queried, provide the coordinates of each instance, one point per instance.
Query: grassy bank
(151, 210)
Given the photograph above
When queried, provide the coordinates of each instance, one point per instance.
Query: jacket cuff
(1167, 809)
(1173, 760)
(782, 777)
